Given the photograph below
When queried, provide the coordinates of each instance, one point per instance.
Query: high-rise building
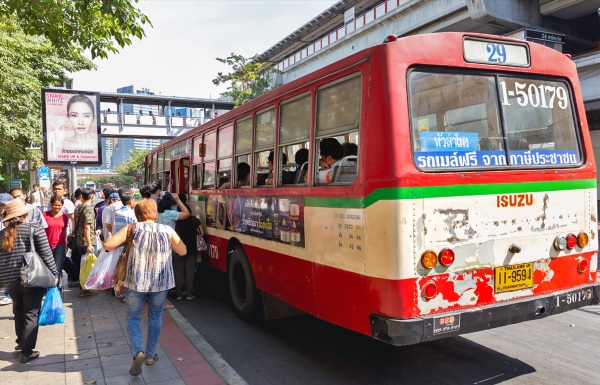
(121, 148)
(137, 108)
(107, 151)
(121, 152)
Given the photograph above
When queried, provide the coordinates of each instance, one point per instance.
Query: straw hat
(15, 208)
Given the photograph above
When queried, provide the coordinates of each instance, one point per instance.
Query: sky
(178, 55)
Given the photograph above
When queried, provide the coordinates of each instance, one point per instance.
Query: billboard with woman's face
(71, 127)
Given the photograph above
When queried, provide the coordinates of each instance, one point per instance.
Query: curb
(229, 375)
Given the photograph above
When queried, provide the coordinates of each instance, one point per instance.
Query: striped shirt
(150, 265)
(121, 217)
(10, 263)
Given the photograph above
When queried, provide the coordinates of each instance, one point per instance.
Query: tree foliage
(249, 78)
(127, 171)
(78, 25)
(27, 64)
(41, 42)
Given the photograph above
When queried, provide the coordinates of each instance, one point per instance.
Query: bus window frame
(344, 132)
(495, 75)
(206, 160)
(243, 152)
(258, 151)
(304, 142)
(227, 158)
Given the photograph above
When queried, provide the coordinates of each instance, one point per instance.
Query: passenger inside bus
(331, 152)
(267, 178)
(334, 165)
(350, 149)
(243, 173)
(301, 159)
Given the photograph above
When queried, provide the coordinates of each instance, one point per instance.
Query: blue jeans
(59, 257)
(135, 303)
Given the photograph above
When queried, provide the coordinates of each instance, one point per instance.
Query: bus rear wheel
(245, 296)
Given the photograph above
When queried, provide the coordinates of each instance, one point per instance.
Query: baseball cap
(4, 198)
(114, 196)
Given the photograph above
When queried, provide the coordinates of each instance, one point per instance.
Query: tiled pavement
(91, 347)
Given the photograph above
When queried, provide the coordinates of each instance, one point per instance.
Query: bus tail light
(428, 259)
(582, 240)
(571, 241)
(390, 38)
(582, 266)
(560, 243)
(446, 257)
(430, 290)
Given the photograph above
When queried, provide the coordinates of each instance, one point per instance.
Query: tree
(127, 171)
(41, 42)
(73, 26)
(39, 64)
(249, 78)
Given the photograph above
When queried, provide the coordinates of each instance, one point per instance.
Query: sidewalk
(91, 348)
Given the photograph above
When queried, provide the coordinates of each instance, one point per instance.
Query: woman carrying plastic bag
(53, 311)
(102, 275)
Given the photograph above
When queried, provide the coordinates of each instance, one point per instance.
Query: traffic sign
(43, 173)
(23, 165)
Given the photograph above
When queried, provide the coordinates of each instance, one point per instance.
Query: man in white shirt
(36, 198)
(331, 153)
(34, 215)
(58, 189)
(108, 213)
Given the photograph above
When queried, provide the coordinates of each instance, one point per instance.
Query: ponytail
(10, 232)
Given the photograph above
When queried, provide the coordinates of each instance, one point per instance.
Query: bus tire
(245, 297)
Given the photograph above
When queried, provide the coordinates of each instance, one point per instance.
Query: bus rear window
(463, 121)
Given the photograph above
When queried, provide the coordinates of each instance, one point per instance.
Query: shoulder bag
(121, 269)
(34, 272)
(72, 238)
(200, 242)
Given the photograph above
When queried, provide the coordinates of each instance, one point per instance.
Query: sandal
(190, 298)
(136, 366)
(151, 361)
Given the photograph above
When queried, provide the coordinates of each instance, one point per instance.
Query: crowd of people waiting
(162, 257)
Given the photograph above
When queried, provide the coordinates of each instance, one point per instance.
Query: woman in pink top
(57, 233)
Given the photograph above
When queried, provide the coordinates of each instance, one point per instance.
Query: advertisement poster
(71, 127)
(274, 218)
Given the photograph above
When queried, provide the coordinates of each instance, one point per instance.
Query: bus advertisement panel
(71, 127)
(273, 218)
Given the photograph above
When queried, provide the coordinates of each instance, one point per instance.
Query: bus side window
(261, 165)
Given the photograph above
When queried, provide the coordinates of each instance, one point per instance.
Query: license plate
(513, 277)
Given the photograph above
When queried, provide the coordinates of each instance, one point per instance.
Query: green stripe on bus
(396, 193)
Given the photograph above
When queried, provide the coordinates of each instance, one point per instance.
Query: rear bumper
(416, 330)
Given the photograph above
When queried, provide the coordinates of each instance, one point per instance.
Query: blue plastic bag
(53, 311)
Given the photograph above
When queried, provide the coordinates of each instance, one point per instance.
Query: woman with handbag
(27, 301)
(149, 275)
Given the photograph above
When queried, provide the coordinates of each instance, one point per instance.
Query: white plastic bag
(103, 275)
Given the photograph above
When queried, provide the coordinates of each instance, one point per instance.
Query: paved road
(301, 350)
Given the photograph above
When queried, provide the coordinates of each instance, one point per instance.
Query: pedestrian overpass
(116, 124)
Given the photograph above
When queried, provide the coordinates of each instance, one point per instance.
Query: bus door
(180, 171)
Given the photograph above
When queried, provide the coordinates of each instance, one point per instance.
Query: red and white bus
(469, 204)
